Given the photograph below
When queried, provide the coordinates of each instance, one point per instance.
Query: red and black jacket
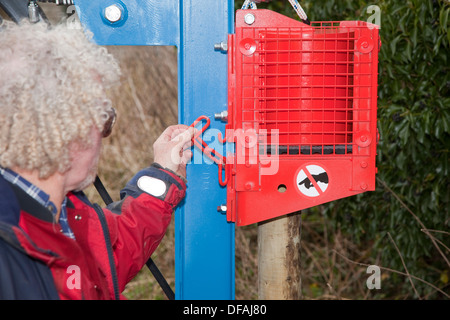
(37, 261)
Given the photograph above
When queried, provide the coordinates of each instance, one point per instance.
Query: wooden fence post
(279, 275)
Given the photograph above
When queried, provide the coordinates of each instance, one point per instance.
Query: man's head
(52, 96)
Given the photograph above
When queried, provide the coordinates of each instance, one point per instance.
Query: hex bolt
(113, 13)
(222, 116)
(249, 18)
(222, 46)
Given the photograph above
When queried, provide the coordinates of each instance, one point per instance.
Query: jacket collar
(10, 197)
(10, 209)
(13, 199)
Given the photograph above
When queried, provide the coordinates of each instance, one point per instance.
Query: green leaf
(443, 19)
(408, 51)
(448, 39)
(393, 44)
(414, 35)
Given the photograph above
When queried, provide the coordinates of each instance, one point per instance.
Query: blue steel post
(204, 241)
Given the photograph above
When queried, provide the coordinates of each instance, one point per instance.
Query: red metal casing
(302, 114)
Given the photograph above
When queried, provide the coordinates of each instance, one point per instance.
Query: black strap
(150, 263)
(109, 249)
(102, 191)
(160, 279)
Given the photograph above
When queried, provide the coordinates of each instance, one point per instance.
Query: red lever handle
(202, 145)
(212, 154)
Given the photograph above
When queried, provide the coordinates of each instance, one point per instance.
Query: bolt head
(113, 13)
(222, 208)
(223, 46)
(249, 18)
(249, 185)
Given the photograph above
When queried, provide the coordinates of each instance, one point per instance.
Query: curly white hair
(52, 92)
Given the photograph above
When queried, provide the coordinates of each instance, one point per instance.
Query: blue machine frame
(204, 240)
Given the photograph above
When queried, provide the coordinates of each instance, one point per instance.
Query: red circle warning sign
(312, 180)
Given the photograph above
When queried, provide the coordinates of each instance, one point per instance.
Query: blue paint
(148, 22)
(204, 240)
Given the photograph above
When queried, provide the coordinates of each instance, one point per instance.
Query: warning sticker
(312, 180)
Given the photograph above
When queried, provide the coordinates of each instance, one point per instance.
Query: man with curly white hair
(55, 244)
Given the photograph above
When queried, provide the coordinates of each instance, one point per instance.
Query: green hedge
(413, 154)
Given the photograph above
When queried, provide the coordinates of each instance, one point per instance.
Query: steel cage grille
(311, 86)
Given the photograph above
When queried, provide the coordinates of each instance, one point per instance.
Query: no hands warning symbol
(312, 180)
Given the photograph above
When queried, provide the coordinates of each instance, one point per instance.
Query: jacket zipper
(109, 249)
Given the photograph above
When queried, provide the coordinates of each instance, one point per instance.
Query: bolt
(223, 46)
(222, 208)
(248, 186)
(33, 12)
(363, 138)
(363, 164)
(223, 116)
(363, 186)
(113, 13)
(249, 18)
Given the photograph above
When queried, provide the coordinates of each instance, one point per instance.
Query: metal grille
(310, 85)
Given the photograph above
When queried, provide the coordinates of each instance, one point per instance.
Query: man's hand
(172, 149)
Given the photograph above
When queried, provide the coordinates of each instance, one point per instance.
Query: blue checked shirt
(41, 197)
